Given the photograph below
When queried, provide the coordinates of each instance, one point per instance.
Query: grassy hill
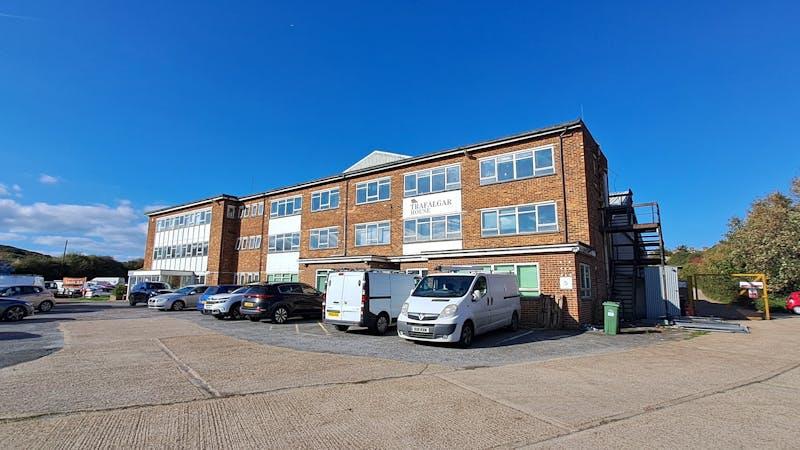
(12, 254)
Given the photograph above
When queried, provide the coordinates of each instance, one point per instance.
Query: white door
(503, 301)
(352, 289)
(401, 287)
(482, 307)
(380, 294)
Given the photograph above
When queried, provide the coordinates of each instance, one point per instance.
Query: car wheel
(796, 309)
(219, 316)
(254, 318)
(45, 306)
(14, 314)
(342, 327)
(132, 302)
(467, 333)
(381, 325)
(514, 326)
(177, 305)
(281, 315)
(236, 312)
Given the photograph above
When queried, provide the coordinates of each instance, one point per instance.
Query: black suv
(280, 301)
(142, 291)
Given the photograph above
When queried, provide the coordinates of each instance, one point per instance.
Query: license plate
(207, 306)
(249, 304)
(421, 329)
(333, 313)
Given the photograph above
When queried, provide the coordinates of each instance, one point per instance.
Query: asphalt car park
(38, 335)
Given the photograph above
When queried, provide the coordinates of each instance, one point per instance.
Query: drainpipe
(563, 183)
(346, 210)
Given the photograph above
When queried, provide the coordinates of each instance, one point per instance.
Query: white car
(185, 297)
(455, 307)
(226, 305)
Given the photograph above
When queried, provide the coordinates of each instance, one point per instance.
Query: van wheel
(381, 325)
(514, 326)
(45, 306)
(254, 318)
(342, 327)
(281, 315)
(467, 333)
(177, 305)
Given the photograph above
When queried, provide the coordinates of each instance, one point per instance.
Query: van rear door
(352, 288)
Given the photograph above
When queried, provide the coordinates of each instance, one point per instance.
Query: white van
(455, 307)
(365, 298)
(22, 280)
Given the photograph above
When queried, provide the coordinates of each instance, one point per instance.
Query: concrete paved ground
(124, 379)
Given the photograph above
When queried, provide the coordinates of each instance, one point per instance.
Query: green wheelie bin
(611, 318)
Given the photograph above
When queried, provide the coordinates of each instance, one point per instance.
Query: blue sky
(110, 107)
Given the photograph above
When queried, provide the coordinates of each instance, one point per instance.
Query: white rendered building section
(284, 262)
(432, 205)
(186, 235)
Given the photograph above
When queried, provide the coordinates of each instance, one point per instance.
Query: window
(282, 277)
(418, 273)
(433, 180)
(287, 242)
(377, 233)
(322, 279)
(432, 228)
(527, 277)
(286, 207)
(322, 200)
(231, 212)
(243, 278)
(586, 281)
(248, 243)
(373, 191)
(324, 238)
(517, 165)
(519, 220)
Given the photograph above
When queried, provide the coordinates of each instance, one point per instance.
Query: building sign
(432, 204)
(565, 283)
(751, 285)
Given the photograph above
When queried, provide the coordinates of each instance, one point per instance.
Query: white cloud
(155, 207)
(16, 190)
(48, 179)
(99, 229)
(4, 190)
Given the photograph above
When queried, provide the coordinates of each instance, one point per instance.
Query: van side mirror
(476, 294)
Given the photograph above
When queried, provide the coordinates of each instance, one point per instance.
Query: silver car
(39, 297)
(176, 301)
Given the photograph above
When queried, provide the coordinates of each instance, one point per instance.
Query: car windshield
(443, 286)
(242, 290)
(185, 290)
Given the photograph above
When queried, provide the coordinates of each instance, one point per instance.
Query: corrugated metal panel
(653, 294)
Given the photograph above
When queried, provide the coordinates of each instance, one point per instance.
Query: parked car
(456, 307)
(214, 290)
(12, 309)
(177, 301)
(366, 299)
(793, 302)
(142, 291)
(281, 301)
(38, 296)
(53, 287)
(228, 304)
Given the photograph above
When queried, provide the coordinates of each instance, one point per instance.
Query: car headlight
(448, 311)
(404, 309)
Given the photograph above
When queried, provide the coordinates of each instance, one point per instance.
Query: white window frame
(272, 244)
(493, 268)
(274, 206)
(448, 235)
(515, 156)
(283, 277)
(318, 195)
(377, 225)
(536, 206)
(586, 280)
(448, 185)
(319, 232)
(364, 185)
(317, 274)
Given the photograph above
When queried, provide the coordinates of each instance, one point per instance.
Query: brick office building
(531, 204)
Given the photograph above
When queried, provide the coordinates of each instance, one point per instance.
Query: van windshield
(443, 286)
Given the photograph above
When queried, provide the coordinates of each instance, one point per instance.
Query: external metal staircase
(635, 240)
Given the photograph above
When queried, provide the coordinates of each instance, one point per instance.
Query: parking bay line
(297, 328)
(323, 328)
(511, 338)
